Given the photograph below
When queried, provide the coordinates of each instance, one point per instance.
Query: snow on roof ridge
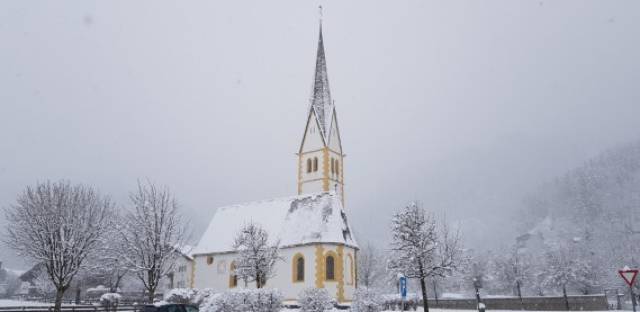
(277, 199)
(294, 220)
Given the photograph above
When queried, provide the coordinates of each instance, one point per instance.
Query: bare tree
(256, 256)
(420, 250)
(59, 225)
(151, 232)
(512, 269)
(371, 266)
(563, 268)
(112, 266)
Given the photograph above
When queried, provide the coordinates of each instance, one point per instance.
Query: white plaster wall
(216, 275)
(334, 139)
(313, 174)
(181, 278)
(182, 273)
(313, 137)
(332, 286)
(349, 273)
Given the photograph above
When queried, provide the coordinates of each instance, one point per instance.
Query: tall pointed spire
(321, 97)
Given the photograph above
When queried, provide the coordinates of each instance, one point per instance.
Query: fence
(576, 303)
(75, 308)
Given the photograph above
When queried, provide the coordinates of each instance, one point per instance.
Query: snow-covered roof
(302, 219)
(185, 251)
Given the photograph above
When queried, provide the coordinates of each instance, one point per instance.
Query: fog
(465, 106)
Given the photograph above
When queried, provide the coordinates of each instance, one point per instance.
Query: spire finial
(320, 13)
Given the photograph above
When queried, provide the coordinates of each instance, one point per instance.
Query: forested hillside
(589, 217)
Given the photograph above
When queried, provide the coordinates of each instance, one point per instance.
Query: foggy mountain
(593, 209)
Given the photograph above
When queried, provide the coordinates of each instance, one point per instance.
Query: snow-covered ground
(434, 310)
(18, 303)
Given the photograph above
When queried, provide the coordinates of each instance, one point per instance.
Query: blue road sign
(403, 287)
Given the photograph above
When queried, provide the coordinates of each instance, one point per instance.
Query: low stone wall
(576, 303)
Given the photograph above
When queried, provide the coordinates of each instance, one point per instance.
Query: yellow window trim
(294, 268)
(232, 275)
(335, 266)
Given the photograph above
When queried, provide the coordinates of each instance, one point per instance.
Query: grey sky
(464, 105)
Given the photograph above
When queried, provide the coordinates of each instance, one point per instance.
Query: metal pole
(633, 298)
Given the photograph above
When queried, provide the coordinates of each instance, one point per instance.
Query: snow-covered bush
(366, 300)
(246, 300)
(181, 295)
(202, 295)
(110, 299)
(315, 300)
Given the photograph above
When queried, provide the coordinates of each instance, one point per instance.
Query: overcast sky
(464, 105)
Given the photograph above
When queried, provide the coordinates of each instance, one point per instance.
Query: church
(318, 247)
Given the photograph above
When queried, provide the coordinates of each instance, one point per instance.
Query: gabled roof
(184, 250)
(321, 101)
(296, 220)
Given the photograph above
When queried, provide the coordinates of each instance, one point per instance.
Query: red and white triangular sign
(628, 275)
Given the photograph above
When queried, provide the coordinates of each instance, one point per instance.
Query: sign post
(477, 284)
(629, 277)
(403, 290)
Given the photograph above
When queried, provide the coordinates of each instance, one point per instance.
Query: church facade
(318, 248)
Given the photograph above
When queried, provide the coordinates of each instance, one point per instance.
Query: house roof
(296, 220)
(184, 250)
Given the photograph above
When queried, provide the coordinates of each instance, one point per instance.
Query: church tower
(320, 158)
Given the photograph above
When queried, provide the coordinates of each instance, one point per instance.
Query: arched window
(350, 276)
(333, 167)
(209, 260)
(337, 167)
(330, 268)
(308, 165)
(233, 278)
(315, 164)
(298, 268)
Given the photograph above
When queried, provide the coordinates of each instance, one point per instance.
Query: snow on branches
(256, 256)
(246, 300)
(421, 249)
(59, 225)
(151, 232)
(315, 300)
(366, 300)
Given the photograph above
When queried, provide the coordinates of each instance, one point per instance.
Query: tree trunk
(435, 291)
(425, 301)
(519, 294)
(152, 285)
(58, 303)
(566, 299)
(152, 295)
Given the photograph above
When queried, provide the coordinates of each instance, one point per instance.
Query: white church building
(318, 248)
